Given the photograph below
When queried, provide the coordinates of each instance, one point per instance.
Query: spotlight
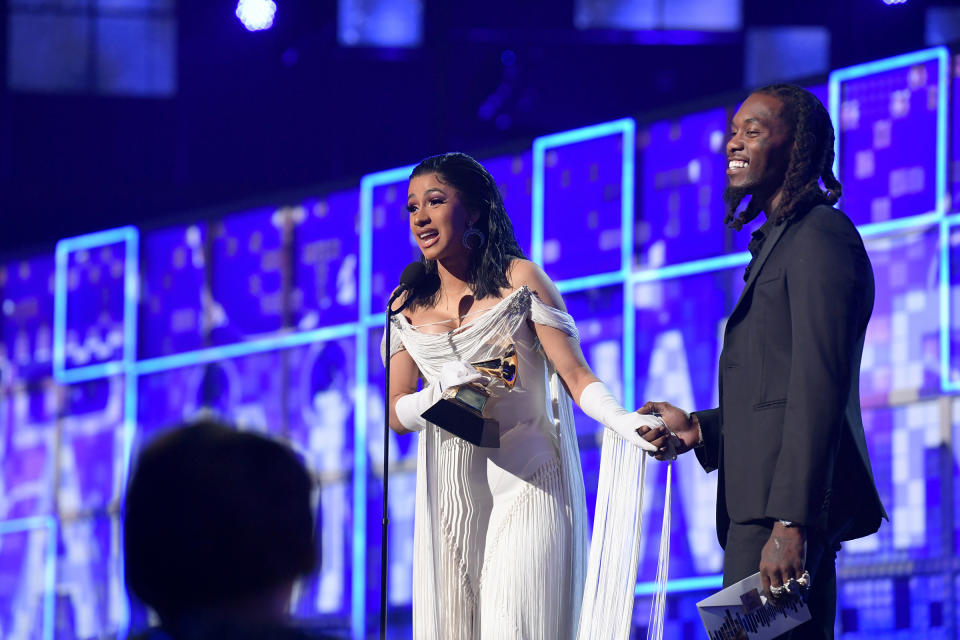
(893, 2)
(256, 15)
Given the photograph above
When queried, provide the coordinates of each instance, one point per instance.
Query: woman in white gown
(500, 546)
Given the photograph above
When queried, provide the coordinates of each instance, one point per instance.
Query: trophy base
(464, 422)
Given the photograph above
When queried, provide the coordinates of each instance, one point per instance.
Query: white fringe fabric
(585, 601)
(659, 608)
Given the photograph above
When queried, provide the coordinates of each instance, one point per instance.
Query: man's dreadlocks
(811, 159)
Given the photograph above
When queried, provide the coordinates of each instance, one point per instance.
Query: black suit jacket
(788, 437)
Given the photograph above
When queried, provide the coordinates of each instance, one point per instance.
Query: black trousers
(741, 558)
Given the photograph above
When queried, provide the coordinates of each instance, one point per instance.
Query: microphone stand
(386, 459)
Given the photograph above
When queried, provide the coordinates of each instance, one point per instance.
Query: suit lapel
(758, 263)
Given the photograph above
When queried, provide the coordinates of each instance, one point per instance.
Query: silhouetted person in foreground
(217, 529)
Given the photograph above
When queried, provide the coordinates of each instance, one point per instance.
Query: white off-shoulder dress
(500, 538)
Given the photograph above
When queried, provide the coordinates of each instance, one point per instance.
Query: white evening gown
(500, 539)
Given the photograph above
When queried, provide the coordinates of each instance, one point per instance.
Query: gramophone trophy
(460, 409)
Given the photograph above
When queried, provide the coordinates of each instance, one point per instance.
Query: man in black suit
(787, 438)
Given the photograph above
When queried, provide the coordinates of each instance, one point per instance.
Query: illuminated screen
(272, 318)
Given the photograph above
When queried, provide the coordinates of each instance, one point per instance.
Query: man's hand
(782, 559)
(684, 430)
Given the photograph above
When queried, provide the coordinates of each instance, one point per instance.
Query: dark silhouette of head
(479, 192)
(810, 160)
(219, 522)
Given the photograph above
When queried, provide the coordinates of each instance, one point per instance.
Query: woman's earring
(473, 237)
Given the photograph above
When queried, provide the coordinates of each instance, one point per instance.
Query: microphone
(411, 276)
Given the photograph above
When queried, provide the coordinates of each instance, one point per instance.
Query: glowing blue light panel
(95, 322)
(28, 566)
(326, 261)
(580, 202)
(91, 447)
(950, 303)
(173, 312)
(247, 255)
(95, 335)
(882, 109)
(390, 244)
(702, 15)
(26, 319)
(513, 174)
(600, 322)
(900, 355)
(909, 482)
(683, 174)
(774, 54)
(89, 578)
(403, 476)
(380, 23)
(679, 323)
(320, 424)
(907, 607)
(584, 188)
(28, 447)
(955, 136)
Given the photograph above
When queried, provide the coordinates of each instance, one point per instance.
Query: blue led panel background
(28, 447)
(583, 193)
(683, 169)
(272, 318)
(247, 263)
(513, 174)
(601, 338)
(888, 141)
(27, 569)
(393, 244)
(326, 261)
(402, 500)
(95, 306)
(679, 329)
(954, 170)
(26, 321)
(319, 407)
(173, 315)
(901, 360)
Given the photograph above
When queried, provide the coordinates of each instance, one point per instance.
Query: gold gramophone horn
(503, 368)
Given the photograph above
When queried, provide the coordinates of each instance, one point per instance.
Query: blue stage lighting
(256, 15)
(893, 2)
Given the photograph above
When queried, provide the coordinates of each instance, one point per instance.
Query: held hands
(598, 403)
(632, 426)
(682, 430)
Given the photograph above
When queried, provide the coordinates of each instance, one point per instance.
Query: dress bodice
(488, 336)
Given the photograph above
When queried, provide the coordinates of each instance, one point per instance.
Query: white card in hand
(742, 611)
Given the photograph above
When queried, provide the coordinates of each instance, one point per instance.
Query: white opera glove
(409, 408)
(598, 403)
(456, 373)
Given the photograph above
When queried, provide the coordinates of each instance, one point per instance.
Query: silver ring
(776, 591)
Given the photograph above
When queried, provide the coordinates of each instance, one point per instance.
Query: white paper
(742, 607)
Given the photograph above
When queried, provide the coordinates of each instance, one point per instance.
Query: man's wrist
(695, 421)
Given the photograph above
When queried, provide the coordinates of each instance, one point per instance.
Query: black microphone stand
(386, 460)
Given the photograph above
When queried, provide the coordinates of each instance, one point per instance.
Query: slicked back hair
(810, 163)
